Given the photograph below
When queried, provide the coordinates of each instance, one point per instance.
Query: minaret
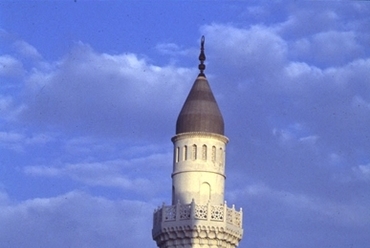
(198, 216)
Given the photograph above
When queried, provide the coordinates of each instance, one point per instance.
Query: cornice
(201, 234)
(181, 136)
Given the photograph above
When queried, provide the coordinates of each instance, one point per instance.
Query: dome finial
(202, 58)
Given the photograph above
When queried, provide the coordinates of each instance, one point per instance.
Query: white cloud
(10, 66)
(301, 69)
(88, 146)
(359, 102)
(4, 199)
(303, 205)
(18, 141)
(305, 81)
(333, 47)
(102, 93)
(173, 49)
(5, 103)
(295, 133)
(42, 171)
(312, 139)
(10, 108)
(257, 48)
(76, 219)
(362, 172)
(308, 21)
(26, 50)
(365, 169)
(12, 141)
(10, 137)
(130, 175)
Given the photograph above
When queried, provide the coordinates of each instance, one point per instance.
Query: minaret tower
(198, 216)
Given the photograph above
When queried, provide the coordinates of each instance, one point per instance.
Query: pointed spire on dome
(200, 112)
(202, 58)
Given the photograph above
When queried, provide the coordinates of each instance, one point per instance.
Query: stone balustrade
(193, 211)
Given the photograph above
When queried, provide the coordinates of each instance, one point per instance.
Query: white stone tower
(198, 216)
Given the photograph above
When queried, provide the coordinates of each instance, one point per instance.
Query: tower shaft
(199, 216)
(199, 168)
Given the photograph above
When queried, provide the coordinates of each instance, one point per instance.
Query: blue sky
(90, 92)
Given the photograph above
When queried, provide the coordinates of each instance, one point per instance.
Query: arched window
(194, 152)
(185, 153)
(213, 153)
(221, 156)
(204, 152)
(177, 154)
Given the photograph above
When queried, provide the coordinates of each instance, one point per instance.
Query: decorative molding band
(200, 134)
(198, 234)
(207, 171)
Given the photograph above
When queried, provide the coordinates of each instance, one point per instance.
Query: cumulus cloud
(10, 66)
(295, 97)
(245, 54)
(298, 124)
(102, 93)
(26, 50)
(132, 175)
(345, 214)
(328, 48)
(9, 108)
(362, 172)
(11, 140)
(19, 141)
(173, 49)
(279, 213)
(75, 219)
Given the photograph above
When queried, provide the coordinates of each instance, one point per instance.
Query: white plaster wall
(192, 174)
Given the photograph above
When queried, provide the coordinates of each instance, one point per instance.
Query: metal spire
(202, 58)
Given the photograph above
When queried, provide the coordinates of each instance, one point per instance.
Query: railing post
(163, 212)
(233, 214)
(208, 211)
(177, 211)
(192, 210)
(241, 217)
(225, 212)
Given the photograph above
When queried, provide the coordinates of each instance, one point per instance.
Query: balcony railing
(192, 211)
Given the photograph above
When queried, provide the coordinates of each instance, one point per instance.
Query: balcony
(192, 215)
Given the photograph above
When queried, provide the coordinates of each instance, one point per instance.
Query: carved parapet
(184, 225)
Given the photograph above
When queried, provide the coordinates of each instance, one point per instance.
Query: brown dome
(200, 112)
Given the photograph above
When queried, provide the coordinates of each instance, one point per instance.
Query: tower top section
(200, 112)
